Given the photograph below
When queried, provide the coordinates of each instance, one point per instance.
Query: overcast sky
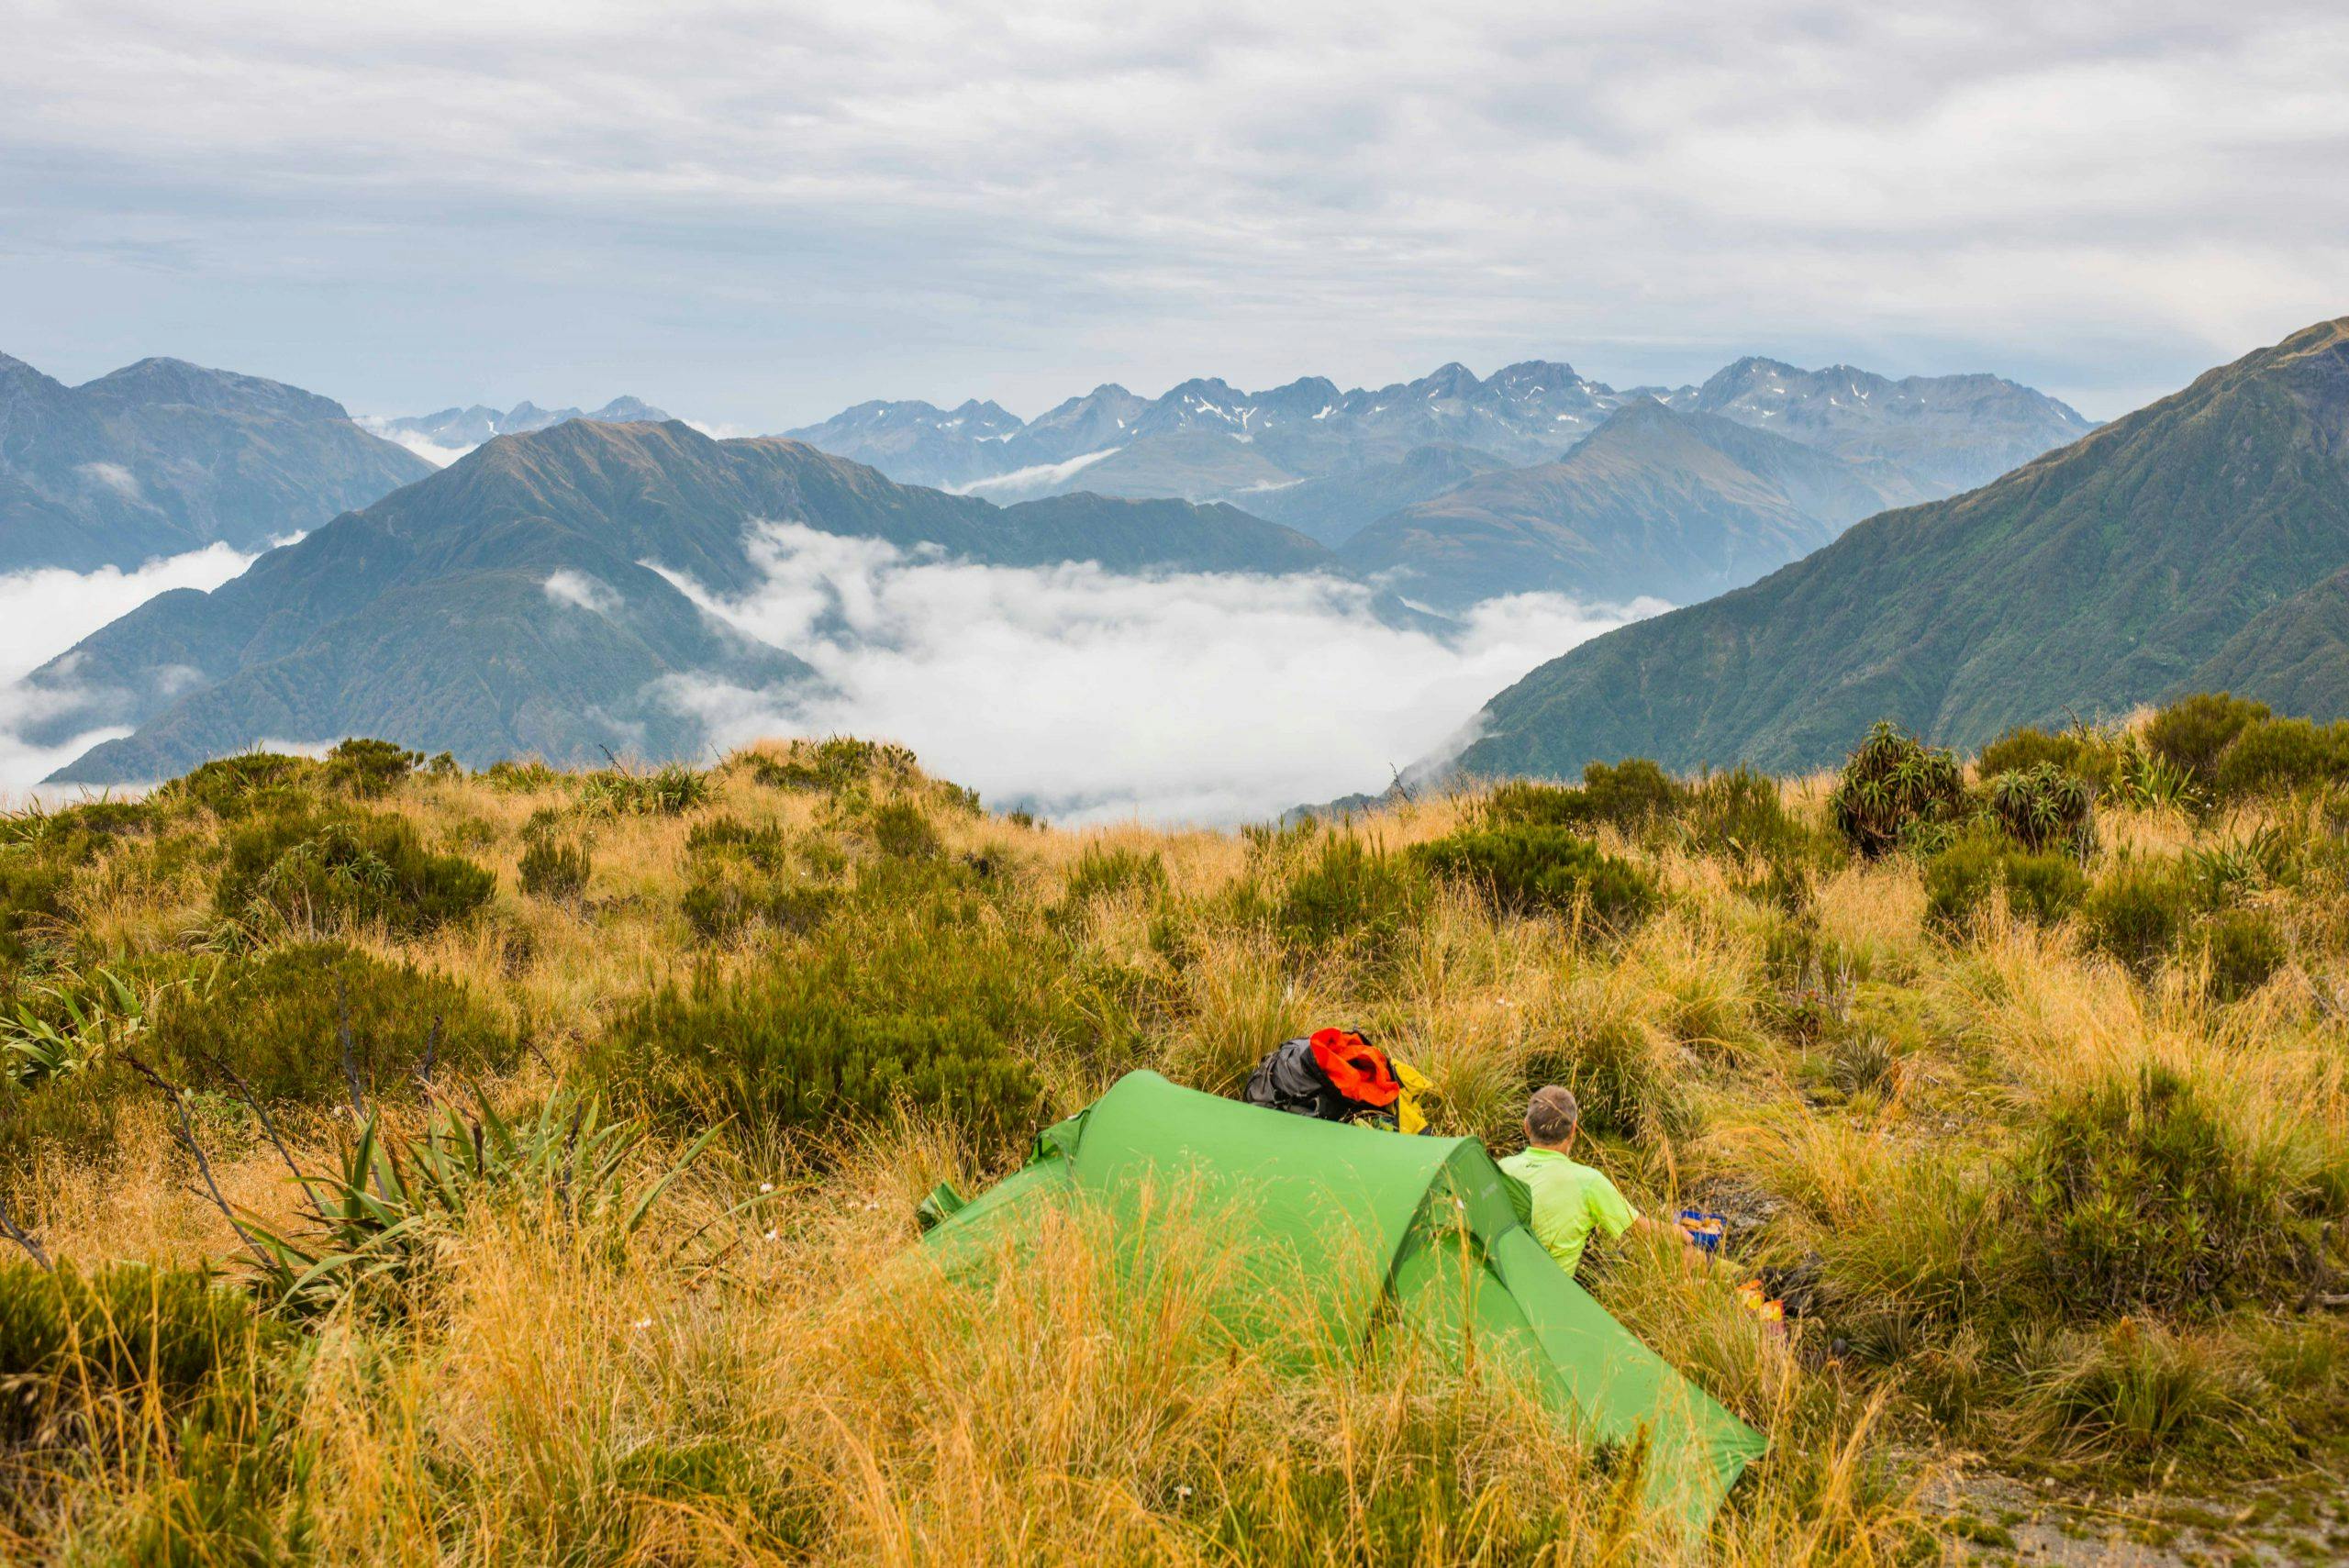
(756, 213)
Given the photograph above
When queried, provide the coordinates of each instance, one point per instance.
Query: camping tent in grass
(1367, 1219)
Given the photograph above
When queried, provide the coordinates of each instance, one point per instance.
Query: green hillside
(2121, 568)
(1677, 506)
(505, 606)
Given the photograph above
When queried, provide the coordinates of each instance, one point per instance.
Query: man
(1570, 1199)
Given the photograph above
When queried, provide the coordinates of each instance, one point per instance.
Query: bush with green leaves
(1103, 871)
(1350, 893)
(280, 1021)
(128, 1331)
(1547, 870)
(368, 769)
(901, 830)
(2138, 1193)
(2190, 733)
(668, 791)
(312, 871)
(1624, 794)
(2243, 949)
(2043, 806)
(1892, 786)
(2044, 888)
(2280, 756)
(231, 787)
(2085, 754)
(738, 875)
(791, 1047)
(556, 865)
(2137, 911)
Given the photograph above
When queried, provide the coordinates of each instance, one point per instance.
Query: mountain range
(462, 429)
(525, 599)
(1353, 457)
(162, 457)
(2200, 542)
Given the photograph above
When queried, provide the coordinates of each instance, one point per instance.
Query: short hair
(1552, 1115)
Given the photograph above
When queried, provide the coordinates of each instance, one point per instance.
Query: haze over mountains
(163, 457)
(1205, 439)
(452, 432)
(2200, 542)
(533, 597)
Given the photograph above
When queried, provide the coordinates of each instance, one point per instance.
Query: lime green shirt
(1570, 1201)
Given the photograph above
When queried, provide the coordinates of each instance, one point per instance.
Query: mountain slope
(2139, 559)
(163, 456)
(1336, 507)
(505, 603)
(1655, 503)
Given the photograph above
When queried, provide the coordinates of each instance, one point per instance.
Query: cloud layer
(767, 212)
(45, 612)
(1089, 695)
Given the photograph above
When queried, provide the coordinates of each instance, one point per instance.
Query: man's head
(1552, 1118)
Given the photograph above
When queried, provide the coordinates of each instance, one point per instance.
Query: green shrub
(525, 775)
(2137, 911)
(33, 886)
(2277, 756)
(728, 837)
(230, 787)
(2138, 1196)
(2041, 887)
(899, 830)
(1351, 893)
(669, 791)
(1623, 795)
(2044, 807)
(2020, 750)
(1892, 786)
(2244, 949)
(369, 768)
(2191, 732)
(314, 870)
(720, 902)
(782, 1049)
(69, 1339)
(278, 1022)
(555, 869)
(1623, 1077)
(1741, 814)
(1101, 872)
(1529, 868)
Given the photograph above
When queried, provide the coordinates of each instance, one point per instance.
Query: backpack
(1337, 1074)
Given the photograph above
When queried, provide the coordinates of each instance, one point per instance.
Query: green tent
(1429, 1224)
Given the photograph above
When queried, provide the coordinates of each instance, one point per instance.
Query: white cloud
(1024, 483)
(430, 451)
(580, 591)
(45, 612)
(1095, 696)
(115, 477)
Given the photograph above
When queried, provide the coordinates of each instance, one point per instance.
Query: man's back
(1570, 1201)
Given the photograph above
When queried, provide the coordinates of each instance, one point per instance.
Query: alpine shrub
(279, 1022)
(2041, 887)
(899, 830)
(738, 875)
(782, 1050)
(1621, 794)
(369, 768)
(2191, 732)
(1523, 803)
(1525, 870)
(2043, 806)
(322, 870)
(2138, 1195)
(1891, 785)
(2136, 912)
(2277, 756)
(126, 1330)
(669, 791)
(1101, 872)
(2244, 949)
(235, 786)
(1350, 892)
(555, 869)
(2021, 749)
(1622, 1074)
(1740, 813)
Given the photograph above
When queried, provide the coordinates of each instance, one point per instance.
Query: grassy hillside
(2111, 572)
(2050, 1147)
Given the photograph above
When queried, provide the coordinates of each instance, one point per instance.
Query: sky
(754, 214)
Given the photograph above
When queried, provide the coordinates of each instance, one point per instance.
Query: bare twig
(261, 1113)
(9, 1228)
(184, 1135)
(1400, 788)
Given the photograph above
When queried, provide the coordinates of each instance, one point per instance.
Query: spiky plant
(1892, 786)
(2044, 807)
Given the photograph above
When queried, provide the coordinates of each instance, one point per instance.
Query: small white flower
(766, 1186)
(773, 1235)
(875, 1204)
(1182, 1492)
(644, 1322)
